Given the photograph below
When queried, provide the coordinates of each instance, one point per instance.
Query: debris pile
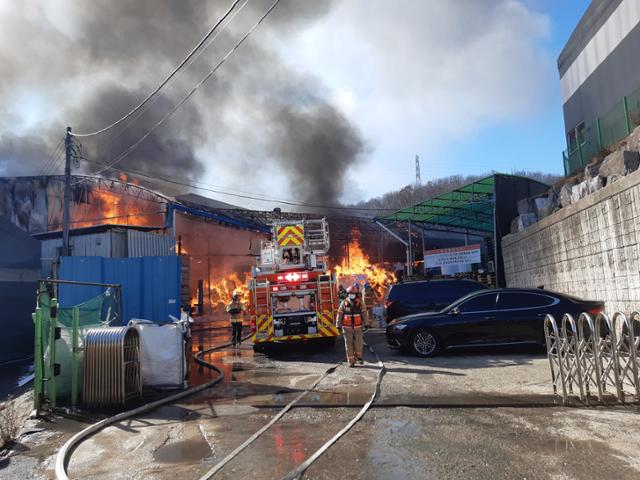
(602, 171)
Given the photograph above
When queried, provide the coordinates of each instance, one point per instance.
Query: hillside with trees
(411, 194)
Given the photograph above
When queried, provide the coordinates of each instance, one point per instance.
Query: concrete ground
(473, 415)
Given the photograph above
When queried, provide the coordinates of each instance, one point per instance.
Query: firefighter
(236, 310)
(352, 317)
(342, 293)
(370, 300)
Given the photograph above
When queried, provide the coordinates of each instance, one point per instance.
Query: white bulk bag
(162, 357)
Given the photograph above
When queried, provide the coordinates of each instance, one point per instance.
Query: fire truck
(292, 295)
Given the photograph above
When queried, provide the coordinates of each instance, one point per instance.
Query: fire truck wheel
(259, 348)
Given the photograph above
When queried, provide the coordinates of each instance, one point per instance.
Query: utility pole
(68, 144)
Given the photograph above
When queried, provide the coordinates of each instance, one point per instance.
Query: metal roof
(225, 219)
(468, 207)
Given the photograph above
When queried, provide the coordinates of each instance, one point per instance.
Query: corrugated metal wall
(115, 243)
(146, 244)
(150, 285)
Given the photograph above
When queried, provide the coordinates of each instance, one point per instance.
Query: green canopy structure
(466, 208)
(483, 208)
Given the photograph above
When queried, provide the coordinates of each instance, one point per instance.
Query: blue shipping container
(150, 285)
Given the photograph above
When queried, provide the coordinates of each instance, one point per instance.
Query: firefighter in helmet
(352, 317)
(236, 310)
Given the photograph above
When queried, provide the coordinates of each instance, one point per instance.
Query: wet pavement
(478, 415)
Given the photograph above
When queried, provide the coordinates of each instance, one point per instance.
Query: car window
(514, 300)
(480, 303)
(410, 293)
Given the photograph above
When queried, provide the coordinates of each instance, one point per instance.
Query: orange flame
(105, 206)
(220, 292)
(359, 265)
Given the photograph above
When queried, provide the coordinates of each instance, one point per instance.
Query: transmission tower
(418, 177)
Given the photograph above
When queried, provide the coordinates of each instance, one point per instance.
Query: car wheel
(424, 343)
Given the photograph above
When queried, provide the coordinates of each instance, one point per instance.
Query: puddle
(184, 451)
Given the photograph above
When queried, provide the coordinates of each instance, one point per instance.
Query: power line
(112, 138)
(166, 80)
(185, 183)
(52, 159)
(132, 147)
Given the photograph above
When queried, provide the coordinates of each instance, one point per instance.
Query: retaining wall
(588, 249)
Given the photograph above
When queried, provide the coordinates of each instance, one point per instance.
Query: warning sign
(449, 257)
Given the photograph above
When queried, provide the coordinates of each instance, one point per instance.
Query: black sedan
(487, 317)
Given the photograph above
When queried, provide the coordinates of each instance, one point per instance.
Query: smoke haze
(87, 63)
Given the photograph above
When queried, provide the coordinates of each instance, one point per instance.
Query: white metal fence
(595, 360)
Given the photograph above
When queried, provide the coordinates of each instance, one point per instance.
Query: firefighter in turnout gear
(236, 310)
(352, 317)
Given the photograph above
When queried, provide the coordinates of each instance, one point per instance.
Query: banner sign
(448, 257)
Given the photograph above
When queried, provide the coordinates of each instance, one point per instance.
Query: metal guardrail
(595, 359)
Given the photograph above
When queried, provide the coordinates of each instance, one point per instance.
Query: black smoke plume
(87, 63)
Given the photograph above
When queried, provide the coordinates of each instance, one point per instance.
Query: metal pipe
(392, 233)
(400, 239)
(72, 282)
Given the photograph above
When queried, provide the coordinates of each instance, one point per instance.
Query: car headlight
(400, 326)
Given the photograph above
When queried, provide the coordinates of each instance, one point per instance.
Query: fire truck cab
(292, 296)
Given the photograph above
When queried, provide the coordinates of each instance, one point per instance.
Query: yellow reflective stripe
(291, 235)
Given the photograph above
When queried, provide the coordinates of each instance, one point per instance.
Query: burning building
(218, 249)
(35, 204)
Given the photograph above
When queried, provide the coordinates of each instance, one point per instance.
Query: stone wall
(588, 249)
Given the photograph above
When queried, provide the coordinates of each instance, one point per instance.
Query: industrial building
(19, 272)
(600, 77)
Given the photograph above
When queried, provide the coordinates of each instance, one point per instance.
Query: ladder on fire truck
(316, 233)
(326, 297)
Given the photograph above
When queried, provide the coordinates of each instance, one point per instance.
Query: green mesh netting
(93, 313)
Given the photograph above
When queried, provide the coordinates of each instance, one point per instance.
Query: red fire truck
(292, 296)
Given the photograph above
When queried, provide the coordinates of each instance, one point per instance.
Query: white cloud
(421, 75)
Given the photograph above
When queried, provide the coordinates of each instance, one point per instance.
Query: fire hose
(297, 472)
(300, 469)
(64, 455)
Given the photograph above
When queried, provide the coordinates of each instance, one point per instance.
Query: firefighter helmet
(352, 289)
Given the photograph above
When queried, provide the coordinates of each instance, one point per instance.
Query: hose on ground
(297, 472)
(220, 465)
(64, 454)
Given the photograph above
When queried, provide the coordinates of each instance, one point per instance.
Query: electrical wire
(132, 147)
(185, 183)
(53, 158)
(112, 138)
(166, 80)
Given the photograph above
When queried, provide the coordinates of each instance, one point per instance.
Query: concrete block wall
(588, 249)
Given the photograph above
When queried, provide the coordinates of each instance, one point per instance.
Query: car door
(418, 297)
(472, 322)
(521, 315)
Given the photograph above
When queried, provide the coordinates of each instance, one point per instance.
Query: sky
(329, 101)
(466, 94)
